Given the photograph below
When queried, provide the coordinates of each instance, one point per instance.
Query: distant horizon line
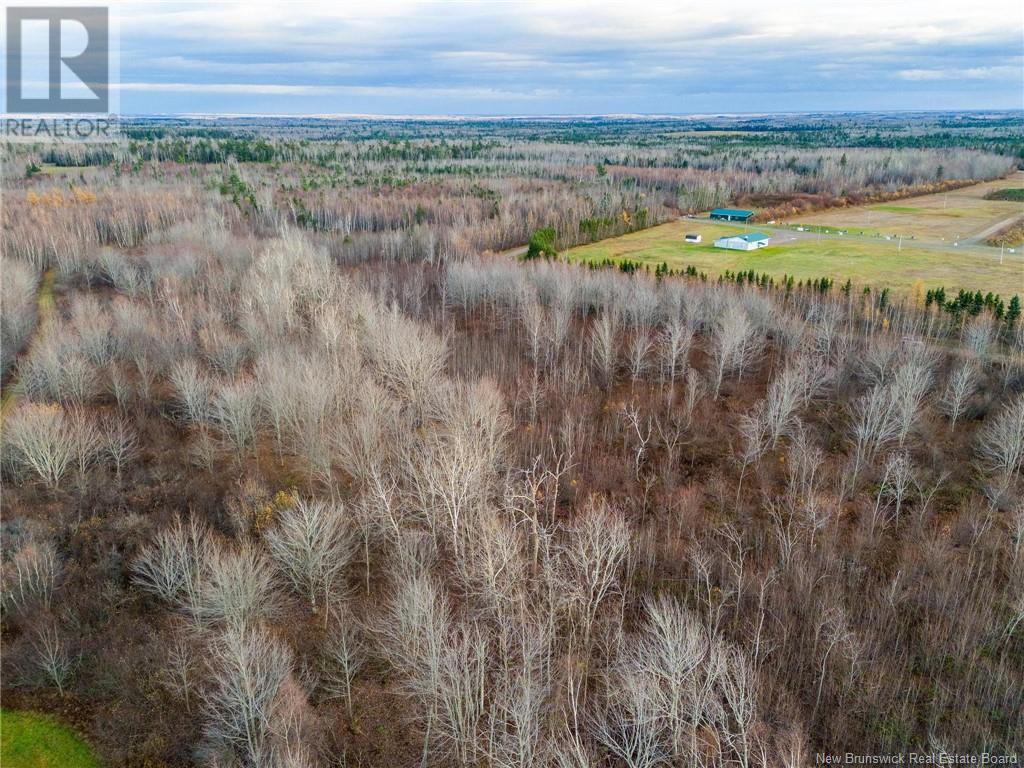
(559, 116)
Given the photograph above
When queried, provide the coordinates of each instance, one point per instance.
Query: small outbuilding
(748, 242)
(730, 214)
(692, 238)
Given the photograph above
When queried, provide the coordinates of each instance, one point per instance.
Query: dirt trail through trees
(45, 303)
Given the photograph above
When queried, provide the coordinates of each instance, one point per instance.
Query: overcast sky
(556, 57)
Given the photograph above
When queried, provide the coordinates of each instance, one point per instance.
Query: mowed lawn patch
(895, 208)
(866, 262)
(942, 217)
(35, 740)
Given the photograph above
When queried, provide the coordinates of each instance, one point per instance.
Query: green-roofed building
(731, 214)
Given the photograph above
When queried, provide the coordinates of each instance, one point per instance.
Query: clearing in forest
(864, 253)
(34, 740)
(962, 215)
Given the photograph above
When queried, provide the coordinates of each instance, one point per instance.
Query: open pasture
(962, 214)
(866, 261)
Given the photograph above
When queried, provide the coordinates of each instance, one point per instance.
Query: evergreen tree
(1013, 310)
(542, 243)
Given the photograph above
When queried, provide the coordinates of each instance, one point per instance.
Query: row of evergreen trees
(964, 304)
(967, 303)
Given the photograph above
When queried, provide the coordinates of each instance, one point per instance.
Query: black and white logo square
(58, 59)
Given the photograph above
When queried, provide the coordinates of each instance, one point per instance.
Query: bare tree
(52, 656)
(455, 470)
(640, 346)
(979, 334)
(408, 358)
(805, 479)
(18, 308)
(668, 651)
(695, 391)
(235, 413)
(603, 346)
(181, 671)
(641, 428)
(248, 670)
(31, 577)
(786, 394)
(279, 392)
(592, 555)
(875, 425)
(120, 443)
(342, 657)
(43, 440)
(631, 725)
(1001, 442)
(733, 343)
(460, 695)
(520, 703)
(174, 565)
(909, 387)
(755, 430)
(237, 588)
(313, 544)
(87, 440)
(879, 360)
(493, 565)
(120, 387)
(1017, 531)
(365, 445)
(962, 384)
(57, 371)
(674, 343)
(302, 399)
(413, 632)
(739, 689)
(895, 485)
(193, 392)
(559, 320)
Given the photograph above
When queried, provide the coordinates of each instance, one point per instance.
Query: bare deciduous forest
(300, 470)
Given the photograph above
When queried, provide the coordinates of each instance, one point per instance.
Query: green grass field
(32, 740)
(895, 208)
(945, 216)
(49, 169)
(866, 262)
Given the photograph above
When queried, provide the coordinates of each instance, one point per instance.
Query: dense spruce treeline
(282, 492)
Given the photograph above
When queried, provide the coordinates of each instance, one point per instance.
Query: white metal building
(748, 242)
